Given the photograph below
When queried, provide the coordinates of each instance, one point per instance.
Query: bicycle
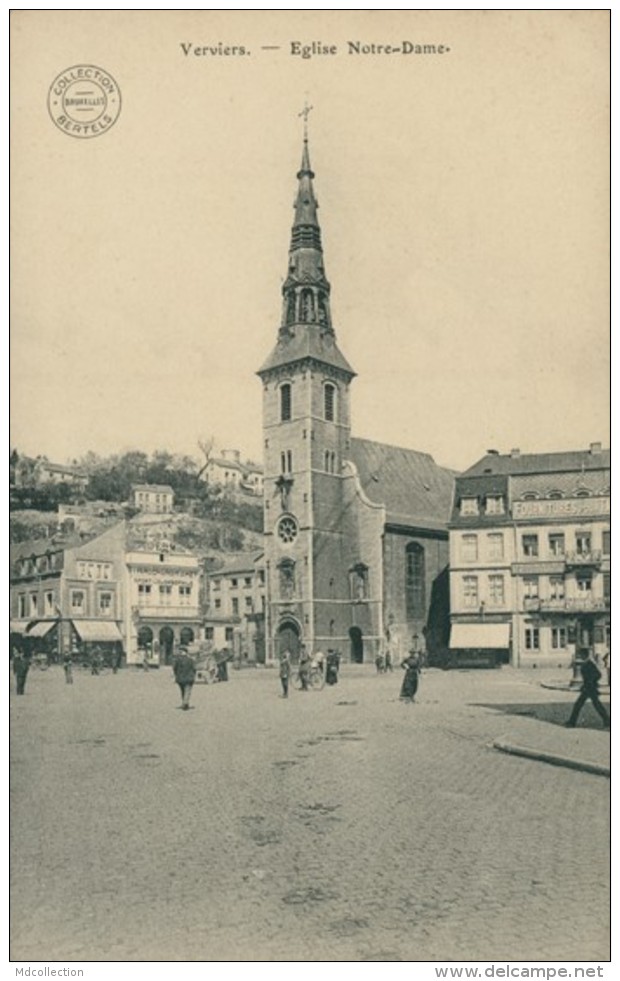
(316, 679)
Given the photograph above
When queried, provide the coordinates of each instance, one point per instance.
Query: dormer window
(469, 506)
(495, 505)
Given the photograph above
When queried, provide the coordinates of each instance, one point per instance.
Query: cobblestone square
(336, 825)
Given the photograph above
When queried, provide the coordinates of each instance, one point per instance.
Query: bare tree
(206, 445)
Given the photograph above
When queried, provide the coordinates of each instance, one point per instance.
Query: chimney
(596, 449)
(515, 453)
(492, 452)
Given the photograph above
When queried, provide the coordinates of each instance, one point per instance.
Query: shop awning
(41, 629)
(101, 631)
(17, 627)
(466, 636)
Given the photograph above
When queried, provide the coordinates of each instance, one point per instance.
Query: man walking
(285, 672)
(21, 666)
(184, 674)
(589, 690)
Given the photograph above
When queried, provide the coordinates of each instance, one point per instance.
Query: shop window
(532, 639)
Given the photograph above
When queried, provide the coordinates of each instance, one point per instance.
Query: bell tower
(306, 431)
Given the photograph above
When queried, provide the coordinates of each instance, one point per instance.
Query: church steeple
(306, 328)
(305, 292)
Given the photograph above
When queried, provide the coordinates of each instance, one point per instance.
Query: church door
(288, 639)
(357, 645)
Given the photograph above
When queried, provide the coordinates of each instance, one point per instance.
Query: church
(356, 536)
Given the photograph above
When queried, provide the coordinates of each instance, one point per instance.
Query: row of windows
(494, 547)
(471, 506)
(229, 634)
(146, 594)
(234, 582)
(286, 402)
(286, 462)
(94, 570)
(495, 594)
(556, 544)
(248, 604)
(530, 545)
(555, 588)
(40, 563)
(78, 602)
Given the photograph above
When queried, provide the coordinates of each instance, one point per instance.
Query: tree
(206, 445)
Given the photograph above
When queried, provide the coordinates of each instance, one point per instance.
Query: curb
(535, 754)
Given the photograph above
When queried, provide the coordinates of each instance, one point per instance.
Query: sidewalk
(586, 747)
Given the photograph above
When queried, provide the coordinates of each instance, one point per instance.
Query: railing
(592, 557)
(576, 604)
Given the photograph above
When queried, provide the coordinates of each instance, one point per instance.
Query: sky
(463, 203)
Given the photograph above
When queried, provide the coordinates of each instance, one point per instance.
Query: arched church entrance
(357, 645)
(166, 644)
(288, 638)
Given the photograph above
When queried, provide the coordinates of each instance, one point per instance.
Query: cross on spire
(304, 112)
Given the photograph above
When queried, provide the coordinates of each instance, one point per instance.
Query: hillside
(211, 537)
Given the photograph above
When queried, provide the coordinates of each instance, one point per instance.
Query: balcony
(576, 604)
(584, 560)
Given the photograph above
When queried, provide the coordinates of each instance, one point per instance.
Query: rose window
(287, 530)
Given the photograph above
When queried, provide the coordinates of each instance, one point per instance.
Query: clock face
(287, 529)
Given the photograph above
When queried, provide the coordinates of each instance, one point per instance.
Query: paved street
(337, 825)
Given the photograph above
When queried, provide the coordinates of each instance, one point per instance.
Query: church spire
(306, 333)
(306, 290)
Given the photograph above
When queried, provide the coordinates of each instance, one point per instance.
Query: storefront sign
(575, 508)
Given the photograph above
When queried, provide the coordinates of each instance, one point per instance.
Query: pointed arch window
(329, 402)
(415, 582)
(286, 402)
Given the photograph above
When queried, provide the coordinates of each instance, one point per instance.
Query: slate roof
(246, 562)
(528, 463)
(307, 342)
(413, 488)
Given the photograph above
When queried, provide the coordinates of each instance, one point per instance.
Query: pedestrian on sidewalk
(184, 674)
(589, 690)
(409, 687)
(21, 667)
(67, 666)
(285, 672)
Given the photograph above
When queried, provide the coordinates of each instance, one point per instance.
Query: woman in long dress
(411, 666)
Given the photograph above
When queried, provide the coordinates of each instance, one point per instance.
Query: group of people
(328, 665)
